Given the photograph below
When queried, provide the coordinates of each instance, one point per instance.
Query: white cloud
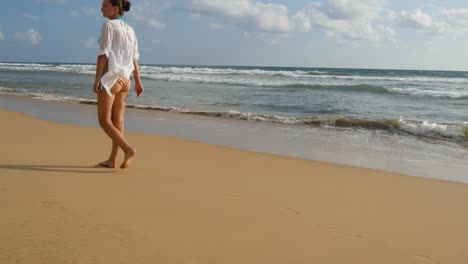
(30, 36)
(89, 11)
(235, 8)
(351, 10)
(353, 20)
(265, 17)
(456, 17)
(417, 19)
(148, 13)
(91, 43)
(301, 22)
(154, 23)
(271, 17)
(2, 37)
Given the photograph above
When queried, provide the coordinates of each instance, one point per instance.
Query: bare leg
(105, 106)
(118, 111)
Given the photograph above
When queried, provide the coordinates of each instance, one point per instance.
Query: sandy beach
(188, 202)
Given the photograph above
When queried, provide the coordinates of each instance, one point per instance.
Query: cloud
(416, 19)
(449, 21)
(91, 43)
(154, 23)
(350, 20)
(148, 13)
(455, 17)
(30, 36)
(89, 11)
(264, 17)
(2, 37)
(234, 8)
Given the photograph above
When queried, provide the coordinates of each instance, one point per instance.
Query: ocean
(425, 103)
(426, 109)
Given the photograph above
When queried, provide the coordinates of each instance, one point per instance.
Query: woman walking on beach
(117, 59)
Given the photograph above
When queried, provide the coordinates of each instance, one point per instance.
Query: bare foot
(107, 164)
(128, 156)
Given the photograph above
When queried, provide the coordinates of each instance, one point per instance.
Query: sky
(384, 34)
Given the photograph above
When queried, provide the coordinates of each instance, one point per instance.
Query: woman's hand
(139, 89)
(96, 88)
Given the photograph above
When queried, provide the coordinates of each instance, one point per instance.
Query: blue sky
(400, 34)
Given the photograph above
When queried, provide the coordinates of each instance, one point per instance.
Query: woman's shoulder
(116, 23)
(110, 23)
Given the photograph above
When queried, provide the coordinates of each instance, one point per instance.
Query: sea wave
(344, 87)
(453, 94)
(453, 87)
(220, 71)
(200, 73)
(281, 86)
(418, 128)
(427, 129)
(64, 68)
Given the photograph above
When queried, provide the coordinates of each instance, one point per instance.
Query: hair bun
(126, 6)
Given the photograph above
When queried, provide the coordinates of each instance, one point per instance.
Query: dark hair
(124, 5)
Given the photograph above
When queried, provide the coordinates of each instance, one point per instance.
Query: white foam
(219, 71)
(70, 68)
(17, 91)
(454, 94)
(429, 129)
(212, 71)
(437, 87)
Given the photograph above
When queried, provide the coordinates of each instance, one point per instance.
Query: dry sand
(187, 202)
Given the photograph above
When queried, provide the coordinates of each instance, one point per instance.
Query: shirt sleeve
(136, 54)
(105, 40)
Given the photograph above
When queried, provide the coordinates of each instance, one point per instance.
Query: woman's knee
(118, 123)
(104, 122)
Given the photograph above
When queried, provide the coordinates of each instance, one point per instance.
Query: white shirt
(120, 45)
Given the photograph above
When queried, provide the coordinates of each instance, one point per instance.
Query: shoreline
(188, 202)
(365, 149)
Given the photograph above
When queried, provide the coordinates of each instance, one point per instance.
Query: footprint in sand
(53, 205)
(424, 260)
(233, 196)
(293, 211)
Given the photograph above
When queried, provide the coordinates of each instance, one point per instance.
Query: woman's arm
(100, 65)
(136, 73)
(105, 43)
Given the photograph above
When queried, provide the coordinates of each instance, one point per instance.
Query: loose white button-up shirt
(120, 45)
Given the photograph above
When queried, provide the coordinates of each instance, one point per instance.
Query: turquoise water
(430, 104)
